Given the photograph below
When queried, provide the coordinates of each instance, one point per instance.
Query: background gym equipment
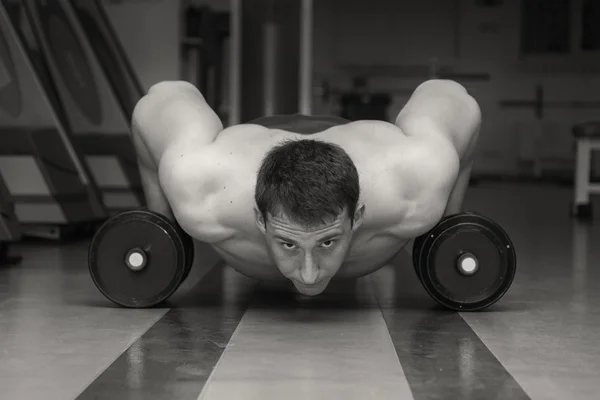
(94, 110)
(540, 106)
(357, 101)
(587, 139)
(10, 230)
(110, 53)
(52, 188)
(139, 258)
(205, 34)
(269, 59)
(327, 93)
(359, 104)
(466, 262)
(270, 66)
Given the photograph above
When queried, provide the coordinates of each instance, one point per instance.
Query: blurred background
(71, 73)
(77, 68)
(533, 65)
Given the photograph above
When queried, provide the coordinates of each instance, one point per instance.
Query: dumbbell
(138, 258)
(466, 262)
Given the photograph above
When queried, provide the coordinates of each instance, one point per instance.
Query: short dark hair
(308, 181)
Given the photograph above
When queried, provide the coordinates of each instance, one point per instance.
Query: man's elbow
(171, 86)
(445, 85)
(139, 114)
(473, 111)
(468, 107)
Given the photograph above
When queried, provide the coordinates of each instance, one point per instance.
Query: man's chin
(312, 290)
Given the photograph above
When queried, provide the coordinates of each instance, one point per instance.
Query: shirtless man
(275, 202)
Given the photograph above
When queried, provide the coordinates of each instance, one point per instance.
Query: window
(590, 29)
(559, 27)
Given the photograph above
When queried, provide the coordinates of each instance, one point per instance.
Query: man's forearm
(155, 198)
(457, 195)
(456, 116)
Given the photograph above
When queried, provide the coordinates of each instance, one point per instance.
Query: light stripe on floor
(442, 357)
(329, 347)
(175, 357)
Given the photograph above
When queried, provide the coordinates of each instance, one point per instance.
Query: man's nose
(309, 272)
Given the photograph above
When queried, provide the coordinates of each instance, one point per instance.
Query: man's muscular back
(207, 177)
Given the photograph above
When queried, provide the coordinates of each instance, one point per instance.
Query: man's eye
(328, 243)
(288, 246)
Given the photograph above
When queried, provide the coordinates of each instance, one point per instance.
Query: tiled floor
(380, 337)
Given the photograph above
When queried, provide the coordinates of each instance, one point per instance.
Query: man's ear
(260, 221)
(358, 216)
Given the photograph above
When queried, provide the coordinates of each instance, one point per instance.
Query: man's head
(307, 194)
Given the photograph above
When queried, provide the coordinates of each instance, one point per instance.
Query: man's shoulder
(407, 181)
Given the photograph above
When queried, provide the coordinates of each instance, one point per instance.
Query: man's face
(309, 257)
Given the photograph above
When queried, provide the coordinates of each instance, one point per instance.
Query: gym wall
(149, 32)
(478, 36)
(484, 39)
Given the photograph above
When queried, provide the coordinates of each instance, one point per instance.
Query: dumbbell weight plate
(189, 253)
(418, 246)
(468, 240)
(137, 259)
(416, 252)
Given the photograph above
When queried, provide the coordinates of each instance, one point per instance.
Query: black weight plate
(453, 236)
(158, 237)
(418, 244)
(189, 253)
(416, 252)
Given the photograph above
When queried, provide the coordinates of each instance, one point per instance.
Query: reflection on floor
(382, 337)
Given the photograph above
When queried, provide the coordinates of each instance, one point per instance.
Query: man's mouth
(313, 289)
(304, 285)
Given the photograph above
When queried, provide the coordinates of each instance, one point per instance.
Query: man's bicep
(184, 177)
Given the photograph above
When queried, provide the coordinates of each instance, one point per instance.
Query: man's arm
(170, 121)
(174, 113)
(443, 107)
(443, 111)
